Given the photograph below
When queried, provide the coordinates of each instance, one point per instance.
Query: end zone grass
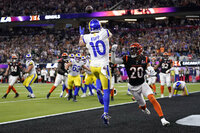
(23, 107)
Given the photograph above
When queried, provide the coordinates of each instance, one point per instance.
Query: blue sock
(82, 89)
(76, 91)
(98, 84)
(85, 88)
(29, 89)
(92, 85)
(63, 87)
(90, 88)
(106, 100)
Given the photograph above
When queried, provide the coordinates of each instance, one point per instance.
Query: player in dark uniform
(61, 74)
(112, 68)
(135, 65)
(165, 64)
(14, 67)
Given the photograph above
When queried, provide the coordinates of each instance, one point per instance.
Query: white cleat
(84, 95)
(146, 111)
(61, 94)
(165, 122)
(66, 95)
(170, 95)
(32, 96)
(129, 93)
(162, 95)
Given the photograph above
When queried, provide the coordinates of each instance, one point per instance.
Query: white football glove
(114, 47)
(167, 71)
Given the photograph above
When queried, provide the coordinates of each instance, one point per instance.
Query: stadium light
(160, 18)
(130, 20)
(103, 21)
(192, 16)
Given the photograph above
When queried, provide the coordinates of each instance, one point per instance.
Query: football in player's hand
(89, 9)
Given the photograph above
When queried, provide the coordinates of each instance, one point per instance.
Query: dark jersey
(14, 68)
(165, 65)
(135, 69)
(112, 67)
(61, 66)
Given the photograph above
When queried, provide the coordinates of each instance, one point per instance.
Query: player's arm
(115, 60)
(81, 39)
(68, 65)
(29, 68)
(7, 70)
(86, 68)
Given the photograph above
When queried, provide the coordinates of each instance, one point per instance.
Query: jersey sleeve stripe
(83, 40)
(108, 33)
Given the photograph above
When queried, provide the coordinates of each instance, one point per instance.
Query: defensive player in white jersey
(97, 43)
(89, 79)
(151, 77)
(31, 75)
(74, 78)
(180, 86)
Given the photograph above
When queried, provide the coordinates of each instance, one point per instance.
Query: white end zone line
(45, 116)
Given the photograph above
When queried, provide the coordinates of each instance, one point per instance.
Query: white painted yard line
(94, 108)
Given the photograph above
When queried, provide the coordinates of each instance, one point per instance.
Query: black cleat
(74, 99)
(69, 97)
(4, 97)
(112, 98)
(48, 95)
(16, 95)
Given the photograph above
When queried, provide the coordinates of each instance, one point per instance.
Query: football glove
(114, 47)
(81, 31)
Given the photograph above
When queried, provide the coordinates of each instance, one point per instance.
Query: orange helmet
(14, 58)
(136, 49)
(65, 56)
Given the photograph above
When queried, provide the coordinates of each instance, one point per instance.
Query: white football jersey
(182, 85)
(75, 68)
(98, 47)
(87, 64)
(150, 71)
(33, 70)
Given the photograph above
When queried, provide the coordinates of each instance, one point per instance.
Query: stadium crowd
(46, 45)
(44, 7)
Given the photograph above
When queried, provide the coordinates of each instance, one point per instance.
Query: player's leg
(139, 98)
(96, 71)
(57, 82)
(9, 86)
(13, 81)
(66, 89)
(185, 91)
(77, 83)
(105, 80)
(168, 83)
(31, 79)
(153, 85)
(112, 88)
(70, 84)
(86, 85)
(162, 83)
(147, 92)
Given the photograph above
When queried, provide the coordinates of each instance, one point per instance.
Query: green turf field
(23, 107)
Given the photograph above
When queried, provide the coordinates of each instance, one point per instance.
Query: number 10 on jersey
(96, 49)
